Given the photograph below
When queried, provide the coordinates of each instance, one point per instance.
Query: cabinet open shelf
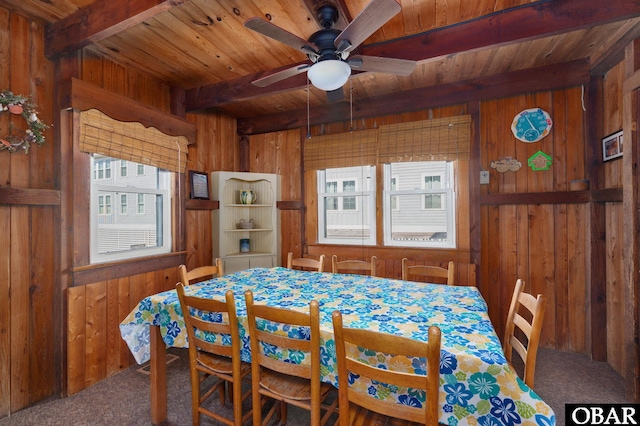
(264, 238)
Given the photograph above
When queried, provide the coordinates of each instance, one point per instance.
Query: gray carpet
(124, 398)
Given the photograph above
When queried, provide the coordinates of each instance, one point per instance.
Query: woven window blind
(101, 134)
(427, 140)
(341, 150)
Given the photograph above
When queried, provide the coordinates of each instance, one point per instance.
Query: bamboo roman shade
(341, 150)
(427, 140)
(102, 134)
(441, 139)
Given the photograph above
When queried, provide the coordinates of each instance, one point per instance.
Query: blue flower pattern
(387, 305)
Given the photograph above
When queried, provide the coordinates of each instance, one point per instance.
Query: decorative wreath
(21, 105)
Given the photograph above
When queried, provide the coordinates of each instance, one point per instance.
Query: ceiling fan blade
(387, 65)
(280, 75)
(372, 17)
(335, 95)
(270, 30)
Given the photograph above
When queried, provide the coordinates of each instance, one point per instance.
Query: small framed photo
(199, 185)
(612, 146)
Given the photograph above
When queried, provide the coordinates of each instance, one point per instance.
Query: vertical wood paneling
(112, 330)
(95, 348)
(125, 358)
(96, 334)
(615, 282)
(19, 307)
(576, 277)
(542, 244)
(508, 244)
(5, 312)
(76, 339)
(42, 290)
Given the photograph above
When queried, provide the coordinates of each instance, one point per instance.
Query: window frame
(164, 179)
(360, 194)
(448, 190)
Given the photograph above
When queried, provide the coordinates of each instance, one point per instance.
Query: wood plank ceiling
(465, 50)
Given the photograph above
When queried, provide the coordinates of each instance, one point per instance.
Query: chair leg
(195, 397)
(222, 393)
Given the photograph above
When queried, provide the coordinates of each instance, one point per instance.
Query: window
(347, 219)
(123, 204)
(331, 202)
(141, 203)
(102, 169)
(123, 168)
(140, 169)
(116, 235)
(349, 203)
(427, 217)
(104, 204)
(394, 198)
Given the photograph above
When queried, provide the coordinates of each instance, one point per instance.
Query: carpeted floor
(124, 398)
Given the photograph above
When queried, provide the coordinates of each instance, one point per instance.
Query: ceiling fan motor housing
(327, 16)
(324, 41)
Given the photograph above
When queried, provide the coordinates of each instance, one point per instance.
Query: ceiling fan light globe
(329, 75)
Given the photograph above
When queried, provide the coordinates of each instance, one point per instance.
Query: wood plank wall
(614, 230)
(28, 279)
(542, 243)
(95, 349)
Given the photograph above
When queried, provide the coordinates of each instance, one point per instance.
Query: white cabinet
(262, 250)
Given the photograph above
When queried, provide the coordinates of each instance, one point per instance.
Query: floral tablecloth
(477, 386)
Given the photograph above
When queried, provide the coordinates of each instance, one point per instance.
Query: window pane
(347, 219)
(425, 191)
(117, 235)
(433, 201)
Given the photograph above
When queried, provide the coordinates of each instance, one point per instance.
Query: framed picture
(612, 146)
(199, 185)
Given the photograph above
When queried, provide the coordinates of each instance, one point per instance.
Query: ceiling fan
(328, 49)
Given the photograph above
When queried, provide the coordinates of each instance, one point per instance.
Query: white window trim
(369, 195)
(449, 192)
(96, 257)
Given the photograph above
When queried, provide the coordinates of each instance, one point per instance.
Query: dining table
(477, 385)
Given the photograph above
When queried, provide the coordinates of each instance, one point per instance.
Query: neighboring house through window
(346, 205)
(115, 234)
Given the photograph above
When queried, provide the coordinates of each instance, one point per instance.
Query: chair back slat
(533, 307)
(349, 344)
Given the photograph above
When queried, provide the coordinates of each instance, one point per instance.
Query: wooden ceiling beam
(539, 19)
(550, 77)
(99, 20)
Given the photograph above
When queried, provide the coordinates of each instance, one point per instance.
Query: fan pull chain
(308, 120)
(351, 103)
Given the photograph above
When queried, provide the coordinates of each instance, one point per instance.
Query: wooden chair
(358, 406)
(305, 263)
(357, 266)
(217, 358)
(448, 273)
(200, 273)
(286, 382)
(518, 326)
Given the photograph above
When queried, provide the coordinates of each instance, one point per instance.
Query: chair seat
(290, 387)
(220, 364)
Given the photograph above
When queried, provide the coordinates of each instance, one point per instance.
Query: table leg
(158, 375)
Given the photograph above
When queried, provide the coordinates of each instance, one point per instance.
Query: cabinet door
(262, 262)
(236, 264)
